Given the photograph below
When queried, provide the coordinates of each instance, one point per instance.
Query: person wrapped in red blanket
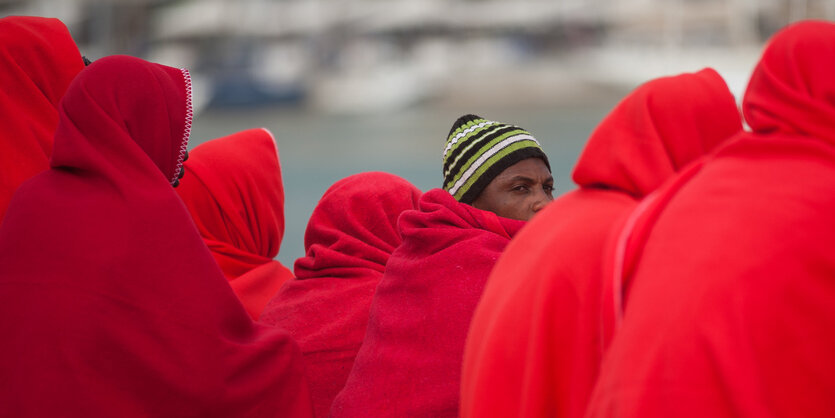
(112, 305)
(38, 60)
(410, 361)
(535, 343)
(350, 236)
(729, 275)
(233, 190)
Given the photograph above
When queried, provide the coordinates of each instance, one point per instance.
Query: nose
(542, 199)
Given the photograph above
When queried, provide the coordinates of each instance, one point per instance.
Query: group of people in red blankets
(691, 273)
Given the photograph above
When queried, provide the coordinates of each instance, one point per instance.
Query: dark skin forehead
(519, 191)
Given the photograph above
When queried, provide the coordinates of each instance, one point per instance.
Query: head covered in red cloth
(349, 239)
(111, 302)
(233, 189)
(728, 274)
(410, 361)
(38, 59)
(657, 130)
(535, 345)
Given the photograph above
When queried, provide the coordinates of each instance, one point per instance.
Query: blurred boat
(368, 56)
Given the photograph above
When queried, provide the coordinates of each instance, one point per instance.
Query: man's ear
(477, 203)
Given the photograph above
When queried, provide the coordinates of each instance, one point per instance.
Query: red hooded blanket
(535, 343)
(111, 303)
(410, 361)
(38, 59)
(233, 189)
(349, 239)
(730, 306)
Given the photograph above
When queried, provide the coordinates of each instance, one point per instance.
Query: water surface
(318, 149)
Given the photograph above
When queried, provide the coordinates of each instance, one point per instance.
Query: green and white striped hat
(477, 150)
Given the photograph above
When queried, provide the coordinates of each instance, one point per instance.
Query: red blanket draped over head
(38, 59)
(410, 361)
(349, 239)
(535, 344)
(730, 306)
(233, 189)
(111, 303)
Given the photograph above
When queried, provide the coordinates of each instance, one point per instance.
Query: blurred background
(349, 86)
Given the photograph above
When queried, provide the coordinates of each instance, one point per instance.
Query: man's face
(519, 191)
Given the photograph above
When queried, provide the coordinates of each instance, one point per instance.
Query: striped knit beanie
(477, 150)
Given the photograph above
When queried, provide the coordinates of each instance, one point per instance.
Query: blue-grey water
(318, 149)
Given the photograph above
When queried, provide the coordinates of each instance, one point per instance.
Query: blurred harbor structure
(367, 56)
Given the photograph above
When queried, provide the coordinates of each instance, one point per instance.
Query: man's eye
(520, 188)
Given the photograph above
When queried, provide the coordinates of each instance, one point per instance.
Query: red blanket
(535, 344)
(410, 361)
(730, 277)
(233, 189)
(349, 239)
(38, 59)
(111, 303)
